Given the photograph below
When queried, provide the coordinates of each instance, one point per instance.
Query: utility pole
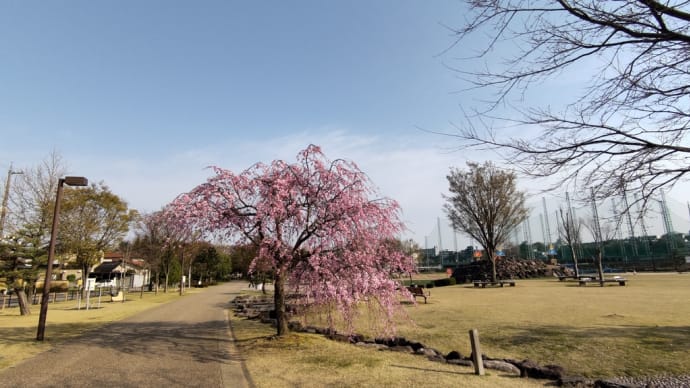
(5, 197)
(631, 229)
(546, 223)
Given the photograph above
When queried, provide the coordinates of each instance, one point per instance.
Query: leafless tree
(602, 232)
(486, 205)
(569, 231)
(33, 195)
(626, 130)
(151, 242)
(32, 200)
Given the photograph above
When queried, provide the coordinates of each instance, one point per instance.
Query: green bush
(444, 282)
(55, 286)
(429, 285)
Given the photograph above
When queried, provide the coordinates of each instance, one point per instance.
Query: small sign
(687, 259)
(90, 284)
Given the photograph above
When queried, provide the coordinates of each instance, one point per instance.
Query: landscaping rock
(372, 345)
(436, 358)
(506, 268)
(453, 355)
(429, 352)
(416, 345)
(459, 361)
(502, 366)
(529, 368)
(616, 384)
(339, 337)
(402, 349)
(575, 382)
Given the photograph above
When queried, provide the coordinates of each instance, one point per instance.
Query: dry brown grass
(638, 330)
(305, 360)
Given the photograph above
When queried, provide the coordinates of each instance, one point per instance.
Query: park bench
(562, 278)
(418, 292)
(501, 283)
(619, 280)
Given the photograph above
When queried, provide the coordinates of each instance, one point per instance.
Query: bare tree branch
(626, 131)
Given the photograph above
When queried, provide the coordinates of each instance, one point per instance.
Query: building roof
(107, 267)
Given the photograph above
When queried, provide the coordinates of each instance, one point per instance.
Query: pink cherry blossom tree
(319, 224)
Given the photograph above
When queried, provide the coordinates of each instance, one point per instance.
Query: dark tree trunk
(279, 301)
(572, 252)
(22, 301)
(600, 269)
(30, 295)
(490, 252)
(84, 280)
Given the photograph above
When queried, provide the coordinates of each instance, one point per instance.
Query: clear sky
(144, 95)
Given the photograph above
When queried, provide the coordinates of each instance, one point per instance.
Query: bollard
(476, 353)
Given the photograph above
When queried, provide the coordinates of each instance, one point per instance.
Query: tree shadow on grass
(601, 350)
(429, 370)
(654, 336)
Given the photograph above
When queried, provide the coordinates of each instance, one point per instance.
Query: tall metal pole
(546, 224)
(5, 197)
(631, 228)
(543, 232)
(72, 181)
(440, 240)
(49, 270)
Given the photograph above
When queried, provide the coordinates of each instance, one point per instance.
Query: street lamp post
(3, 211)
(70, 181)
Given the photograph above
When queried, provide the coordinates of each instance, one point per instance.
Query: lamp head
(75, 181)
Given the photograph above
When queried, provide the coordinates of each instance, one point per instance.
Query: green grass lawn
(638, 330)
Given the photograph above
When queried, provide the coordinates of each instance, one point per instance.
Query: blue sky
(143, 95)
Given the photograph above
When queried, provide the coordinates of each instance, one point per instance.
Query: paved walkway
(186, 343)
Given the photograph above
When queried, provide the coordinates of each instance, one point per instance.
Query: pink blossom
(319, 224)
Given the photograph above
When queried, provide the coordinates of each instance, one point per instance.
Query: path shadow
(203, 342)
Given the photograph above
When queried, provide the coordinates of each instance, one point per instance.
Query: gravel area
(654, 382)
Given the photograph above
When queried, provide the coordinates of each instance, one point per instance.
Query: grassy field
(639, 330)
(306, 360)
(64, 321)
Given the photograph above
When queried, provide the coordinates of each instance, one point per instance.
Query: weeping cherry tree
(319, 224)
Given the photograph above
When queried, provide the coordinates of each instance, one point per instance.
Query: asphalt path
(185, 343)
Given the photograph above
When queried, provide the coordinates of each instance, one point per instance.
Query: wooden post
(476, 353)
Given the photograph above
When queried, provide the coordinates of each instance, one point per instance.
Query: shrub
(55, 286)
(444, 282)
